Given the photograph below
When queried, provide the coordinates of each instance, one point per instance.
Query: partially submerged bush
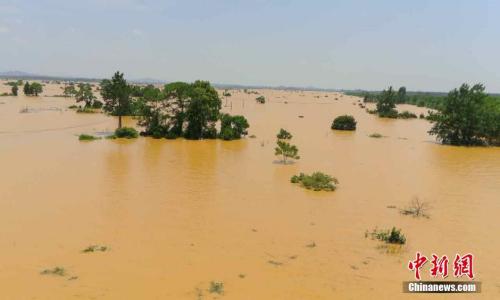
(58, 271)
(87, 137)
(233, 127)
(85, 110)
(392, 114)
(376, 135)
(286, 150)
(261, 99)
(126, 132)
(97, 104)
(216, 287)
(344, 122)
(407, 115)
(416, 208)
(393, 236)
(95, 248)
(317, 181)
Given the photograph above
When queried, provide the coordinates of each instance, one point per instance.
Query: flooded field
(176, 215)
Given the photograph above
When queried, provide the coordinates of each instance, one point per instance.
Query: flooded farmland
(178, 215)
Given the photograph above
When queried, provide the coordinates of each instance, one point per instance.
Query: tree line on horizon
(467, 116)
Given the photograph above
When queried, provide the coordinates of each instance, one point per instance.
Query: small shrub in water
(344, 122)
(407, 115)
(95, 248)
(376, 135)
(261, 99)
(216, 287)
(317, 181)
(58, 271)
(126, 132)
(393, 236)
(87, 137)
(416, 209)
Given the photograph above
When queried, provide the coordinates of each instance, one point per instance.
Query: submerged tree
(344, 122)
(233, 127)
(284, 148)
(84, 93)
(69, 90)
(27, 88)
(401, 96)
(284, 135)
(386, 104)
(467, 118)
(15, 89)
(178, 97)
(202, 111)
(116, 95)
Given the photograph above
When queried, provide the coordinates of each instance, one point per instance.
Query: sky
(423, 45)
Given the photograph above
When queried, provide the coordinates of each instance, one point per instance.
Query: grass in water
(95, 248)
(317, 181)
(216, 287)
(58, 271)
(376, 135)
(392, 236)
(87, 137)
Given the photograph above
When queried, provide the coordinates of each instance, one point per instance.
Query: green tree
(284, 135)
(36, 88)
(386, 104)
(15, 89)
(233, 127)
(84, 93)
(466, 117)
(69, 90)
(202, 111)
(116, 96)
(154, 117)
(401, 97)
(178, 97)
(284, 148)
(344, 122)
(27, 88)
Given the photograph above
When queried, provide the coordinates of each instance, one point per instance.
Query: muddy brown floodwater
(176, 214)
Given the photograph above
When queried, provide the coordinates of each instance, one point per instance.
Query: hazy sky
(424, 45)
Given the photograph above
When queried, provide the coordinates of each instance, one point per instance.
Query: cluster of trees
(179, 109)
(420, 99)
(84, 94)
(32, 89)
(14, 86)
(468, 116)
(69, 90)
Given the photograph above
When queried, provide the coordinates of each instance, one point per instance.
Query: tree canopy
(116, 96)
(84, 93)
(467, 117)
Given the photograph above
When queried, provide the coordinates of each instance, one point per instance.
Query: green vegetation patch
(376, 135)
(87, 137)
(344, 122)
(261, 99)
(57, 271)
(126, 132)
(216, 287)
(392, 236)
(317, 181)
(95, 248)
